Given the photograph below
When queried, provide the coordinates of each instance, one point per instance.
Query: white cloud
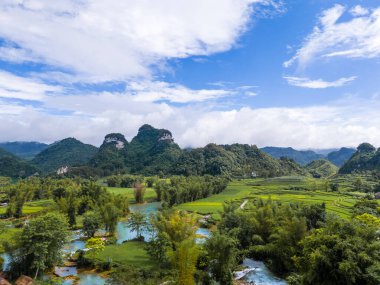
(151, 91)
(15, 87)
(105, 40)
(357, 37)
(15, 55)
(90, 117)
(359, 11)
(318, 83)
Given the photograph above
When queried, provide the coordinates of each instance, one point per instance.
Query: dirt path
(243, 204)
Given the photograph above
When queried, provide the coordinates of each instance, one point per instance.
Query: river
(261, 275)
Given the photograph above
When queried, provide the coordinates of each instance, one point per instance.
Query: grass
(150, 194)
(8, 235)
(33, 207)
(283, 189)
(128, 253)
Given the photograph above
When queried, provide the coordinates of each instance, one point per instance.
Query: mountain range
(153, 151)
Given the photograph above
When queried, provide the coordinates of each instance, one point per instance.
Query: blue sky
(282, 73)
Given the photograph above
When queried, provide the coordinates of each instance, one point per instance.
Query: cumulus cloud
(105, 40)
(90, 117)
(359, 11)
(16, 87)
(318, 83)
(332, 37)
(152, 91)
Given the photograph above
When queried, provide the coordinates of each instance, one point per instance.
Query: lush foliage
(366, 158)
(39, 245)
(186, 189)
(321, 168)
(67, 152)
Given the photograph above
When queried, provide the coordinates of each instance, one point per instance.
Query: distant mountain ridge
(304, 157)
(154, 152)
(24, 150)
(12, 166)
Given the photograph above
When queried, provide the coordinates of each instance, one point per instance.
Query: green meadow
(33, 207)
(282, 189)
(149, 196)
(128, 253)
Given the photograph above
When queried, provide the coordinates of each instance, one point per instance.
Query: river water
(261, 275)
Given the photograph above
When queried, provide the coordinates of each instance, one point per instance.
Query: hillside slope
(341, 156)
(67, 152)
(12, 166)
(322, 168)
(366, 158)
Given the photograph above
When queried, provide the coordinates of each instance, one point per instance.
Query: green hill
(302, 157)
(235, 159)
(321, 168)
(111, 155)
(366, 158)
(341, 156)
(67, 152)
(12, 166)
(24, 150)
(152, 151)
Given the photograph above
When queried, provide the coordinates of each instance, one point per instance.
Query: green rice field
(282, 189)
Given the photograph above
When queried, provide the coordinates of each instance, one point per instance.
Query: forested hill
(12, 166)
(322, 168)
(366, 158)
(341, 156)
(67, 152)
(24, 150)
(302, 157)
(153, 151)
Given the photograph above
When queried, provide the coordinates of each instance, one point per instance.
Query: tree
(177, 225)
(184, 259)
(72, 209)
(334, 187)
(222, 252)
(344, 252)
(137, 222)
(110, 215)
(95, 244)
(40, 244)
(91, 223)
(139, 192)
(150, 181)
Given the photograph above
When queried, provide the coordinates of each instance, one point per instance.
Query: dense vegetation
(321, 168)
(288, 222)
(306, 244)
(236, 160)
(67, 152)
(366, 158)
